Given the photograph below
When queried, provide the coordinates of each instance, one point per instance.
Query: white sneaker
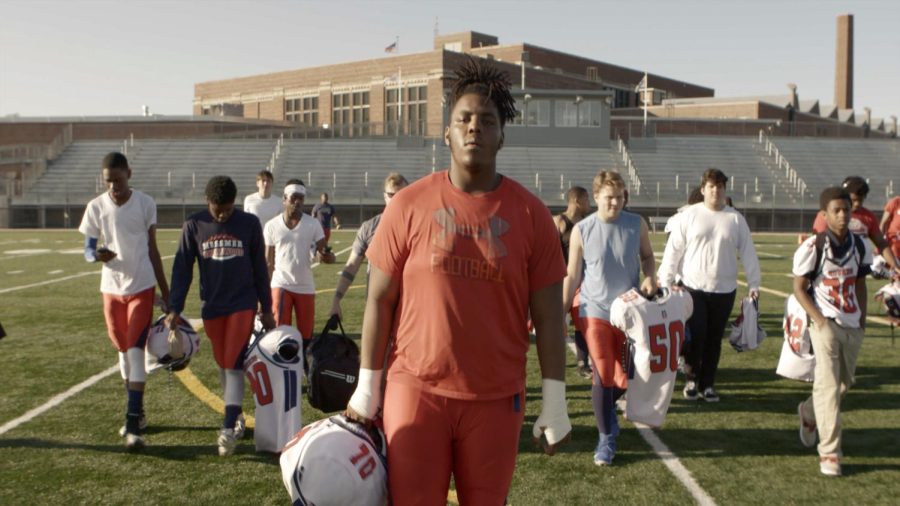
(134, 442)
(142, 424)
(239, 426)
(690, 390)
(808, 432)
(830, 465)
(226, 442)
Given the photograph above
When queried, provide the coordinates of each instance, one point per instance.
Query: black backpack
(333, 360)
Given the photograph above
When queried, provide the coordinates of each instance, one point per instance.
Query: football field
(742, 450)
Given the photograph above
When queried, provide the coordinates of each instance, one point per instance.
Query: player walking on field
(607, 252)
(863, 222)
(890, 225)
(703, 247)
(835, 266)
(578, 206)
(393, 183)
(291, 238)
(125, 219)
(263, 204)
(326, 214)
(458, 260)
(227, 245)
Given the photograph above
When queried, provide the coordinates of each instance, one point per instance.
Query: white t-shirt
(293, 250)
(834, 286)
(656, 329)
(276, 389)
(264, 209)
(704, 245)
(123, 229)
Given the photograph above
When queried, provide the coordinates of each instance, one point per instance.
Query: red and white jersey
(275, 382)
(834, 285)
(797, 360)
(335, 462)
(656, 329)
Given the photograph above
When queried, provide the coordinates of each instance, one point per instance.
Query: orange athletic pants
(229, 336)
(607, 347)
(430, 436)
(302, 304)
(128, 318)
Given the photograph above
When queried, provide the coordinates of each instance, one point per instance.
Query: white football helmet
(171, 350)
(335, 462)
(797, 360)
(880, 268)
(889, 295)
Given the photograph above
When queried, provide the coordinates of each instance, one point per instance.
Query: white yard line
(48, 282)
(57, 280)
(675, 467)
(56, 400)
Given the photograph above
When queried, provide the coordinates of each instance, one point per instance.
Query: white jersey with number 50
(656, 329)
(275, 383)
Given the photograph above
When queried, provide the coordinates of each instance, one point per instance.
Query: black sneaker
(690, 390)
(710, 395)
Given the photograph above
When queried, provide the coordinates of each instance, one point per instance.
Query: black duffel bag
(333, 372)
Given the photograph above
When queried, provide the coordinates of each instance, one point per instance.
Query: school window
(340, 115)
(537, 113)
(566, 113)
(360, 113)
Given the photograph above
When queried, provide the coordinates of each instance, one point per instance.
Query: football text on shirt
(222, 247)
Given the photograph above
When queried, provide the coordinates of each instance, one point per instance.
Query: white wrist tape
(554, 419)
(366, 399)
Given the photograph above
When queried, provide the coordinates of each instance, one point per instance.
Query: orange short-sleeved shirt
(467, 265)
(893, 208)
(862, 222)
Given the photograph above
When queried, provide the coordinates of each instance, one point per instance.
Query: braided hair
(478, 77)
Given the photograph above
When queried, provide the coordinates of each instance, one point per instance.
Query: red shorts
(229, 336)
(128, 318)
(303, 305)
(577, 320)
(327, 234)
(608, 351)
(894, 241)
(430, 436)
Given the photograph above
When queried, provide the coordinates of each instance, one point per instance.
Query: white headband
(294, 188)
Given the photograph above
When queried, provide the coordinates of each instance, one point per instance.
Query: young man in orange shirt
(459, 259)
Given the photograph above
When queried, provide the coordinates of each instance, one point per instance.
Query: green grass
(743, 450)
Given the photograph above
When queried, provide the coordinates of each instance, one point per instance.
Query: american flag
(391, 48)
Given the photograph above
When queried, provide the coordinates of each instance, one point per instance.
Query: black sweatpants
(707, 326)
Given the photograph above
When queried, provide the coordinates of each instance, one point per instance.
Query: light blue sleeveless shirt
(612, 261)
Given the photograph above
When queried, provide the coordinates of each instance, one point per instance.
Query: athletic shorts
(609, 352)
(128, 318)
(577, 320)
(430, 436)
(303, 305)
(229, 336)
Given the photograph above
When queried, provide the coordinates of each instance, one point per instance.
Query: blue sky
(87, 57)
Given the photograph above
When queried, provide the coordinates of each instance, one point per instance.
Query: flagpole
(400, 99)
(644, 95)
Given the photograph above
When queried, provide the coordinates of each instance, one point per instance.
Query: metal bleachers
(826, 162)
(674, 164)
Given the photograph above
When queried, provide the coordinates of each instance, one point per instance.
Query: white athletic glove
(554, 420)
(366, 399)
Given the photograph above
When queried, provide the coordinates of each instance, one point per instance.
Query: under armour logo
(489, 232)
